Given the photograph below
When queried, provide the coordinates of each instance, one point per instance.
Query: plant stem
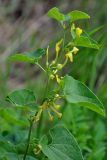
(40, 67)
(41, 119)
(47, 87)
(63, 40)
(28, 141)
(39, 126)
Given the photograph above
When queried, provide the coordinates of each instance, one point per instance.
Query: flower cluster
(51, 108)
(52, 69)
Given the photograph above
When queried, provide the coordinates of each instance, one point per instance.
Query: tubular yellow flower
(50, 116)
(78, 31)
(75, 50)
(58, 79)
(70, 56)
(58, 46)
(58, 113)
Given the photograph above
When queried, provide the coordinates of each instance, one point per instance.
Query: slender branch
(39, 126)
(47, 87)
(28, 141)
(63, 40)
(41, 119)
(40, 66)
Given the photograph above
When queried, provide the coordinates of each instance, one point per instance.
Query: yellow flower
(78, 31)
(70, 56)
(58, 79)
(58, 113)
(50, 116)
(58, 46)
(75, 50)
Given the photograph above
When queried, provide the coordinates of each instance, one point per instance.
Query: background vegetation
(24, 26)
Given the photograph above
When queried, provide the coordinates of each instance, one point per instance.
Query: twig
(28, 141)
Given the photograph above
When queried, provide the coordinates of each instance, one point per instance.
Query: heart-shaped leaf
(30, 57)
(56, 14)
(63, 145)
(76, 92)
(72, 16)
(22, 97)
(77, 15)
(84, 41)
(14, 156)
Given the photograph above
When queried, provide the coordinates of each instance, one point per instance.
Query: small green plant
(61, 89)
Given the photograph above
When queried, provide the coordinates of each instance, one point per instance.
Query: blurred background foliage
(24, 26)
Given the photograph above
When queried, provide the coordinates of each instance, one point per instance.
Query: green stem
(63, 45)
(39, 126)
(41, 119)
(40, 67)
(47, 87)
(28, 141)
(63, 40)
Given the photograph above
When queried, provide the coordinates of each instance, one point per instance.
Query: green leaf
(13, 156)
(22, 97)
(30, 57)
(55, 14)
(7, 115)
(77, 15)
(84, 41)
(76, 92)
(63, 145)
(72, 16)
(10, 151)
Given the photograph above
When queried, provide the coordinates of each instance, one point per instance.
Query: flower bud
(58, 79)
(70, 56)
(58, 46)
(78, 31)
(75, 50)
(59, 66)
(53, 62)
